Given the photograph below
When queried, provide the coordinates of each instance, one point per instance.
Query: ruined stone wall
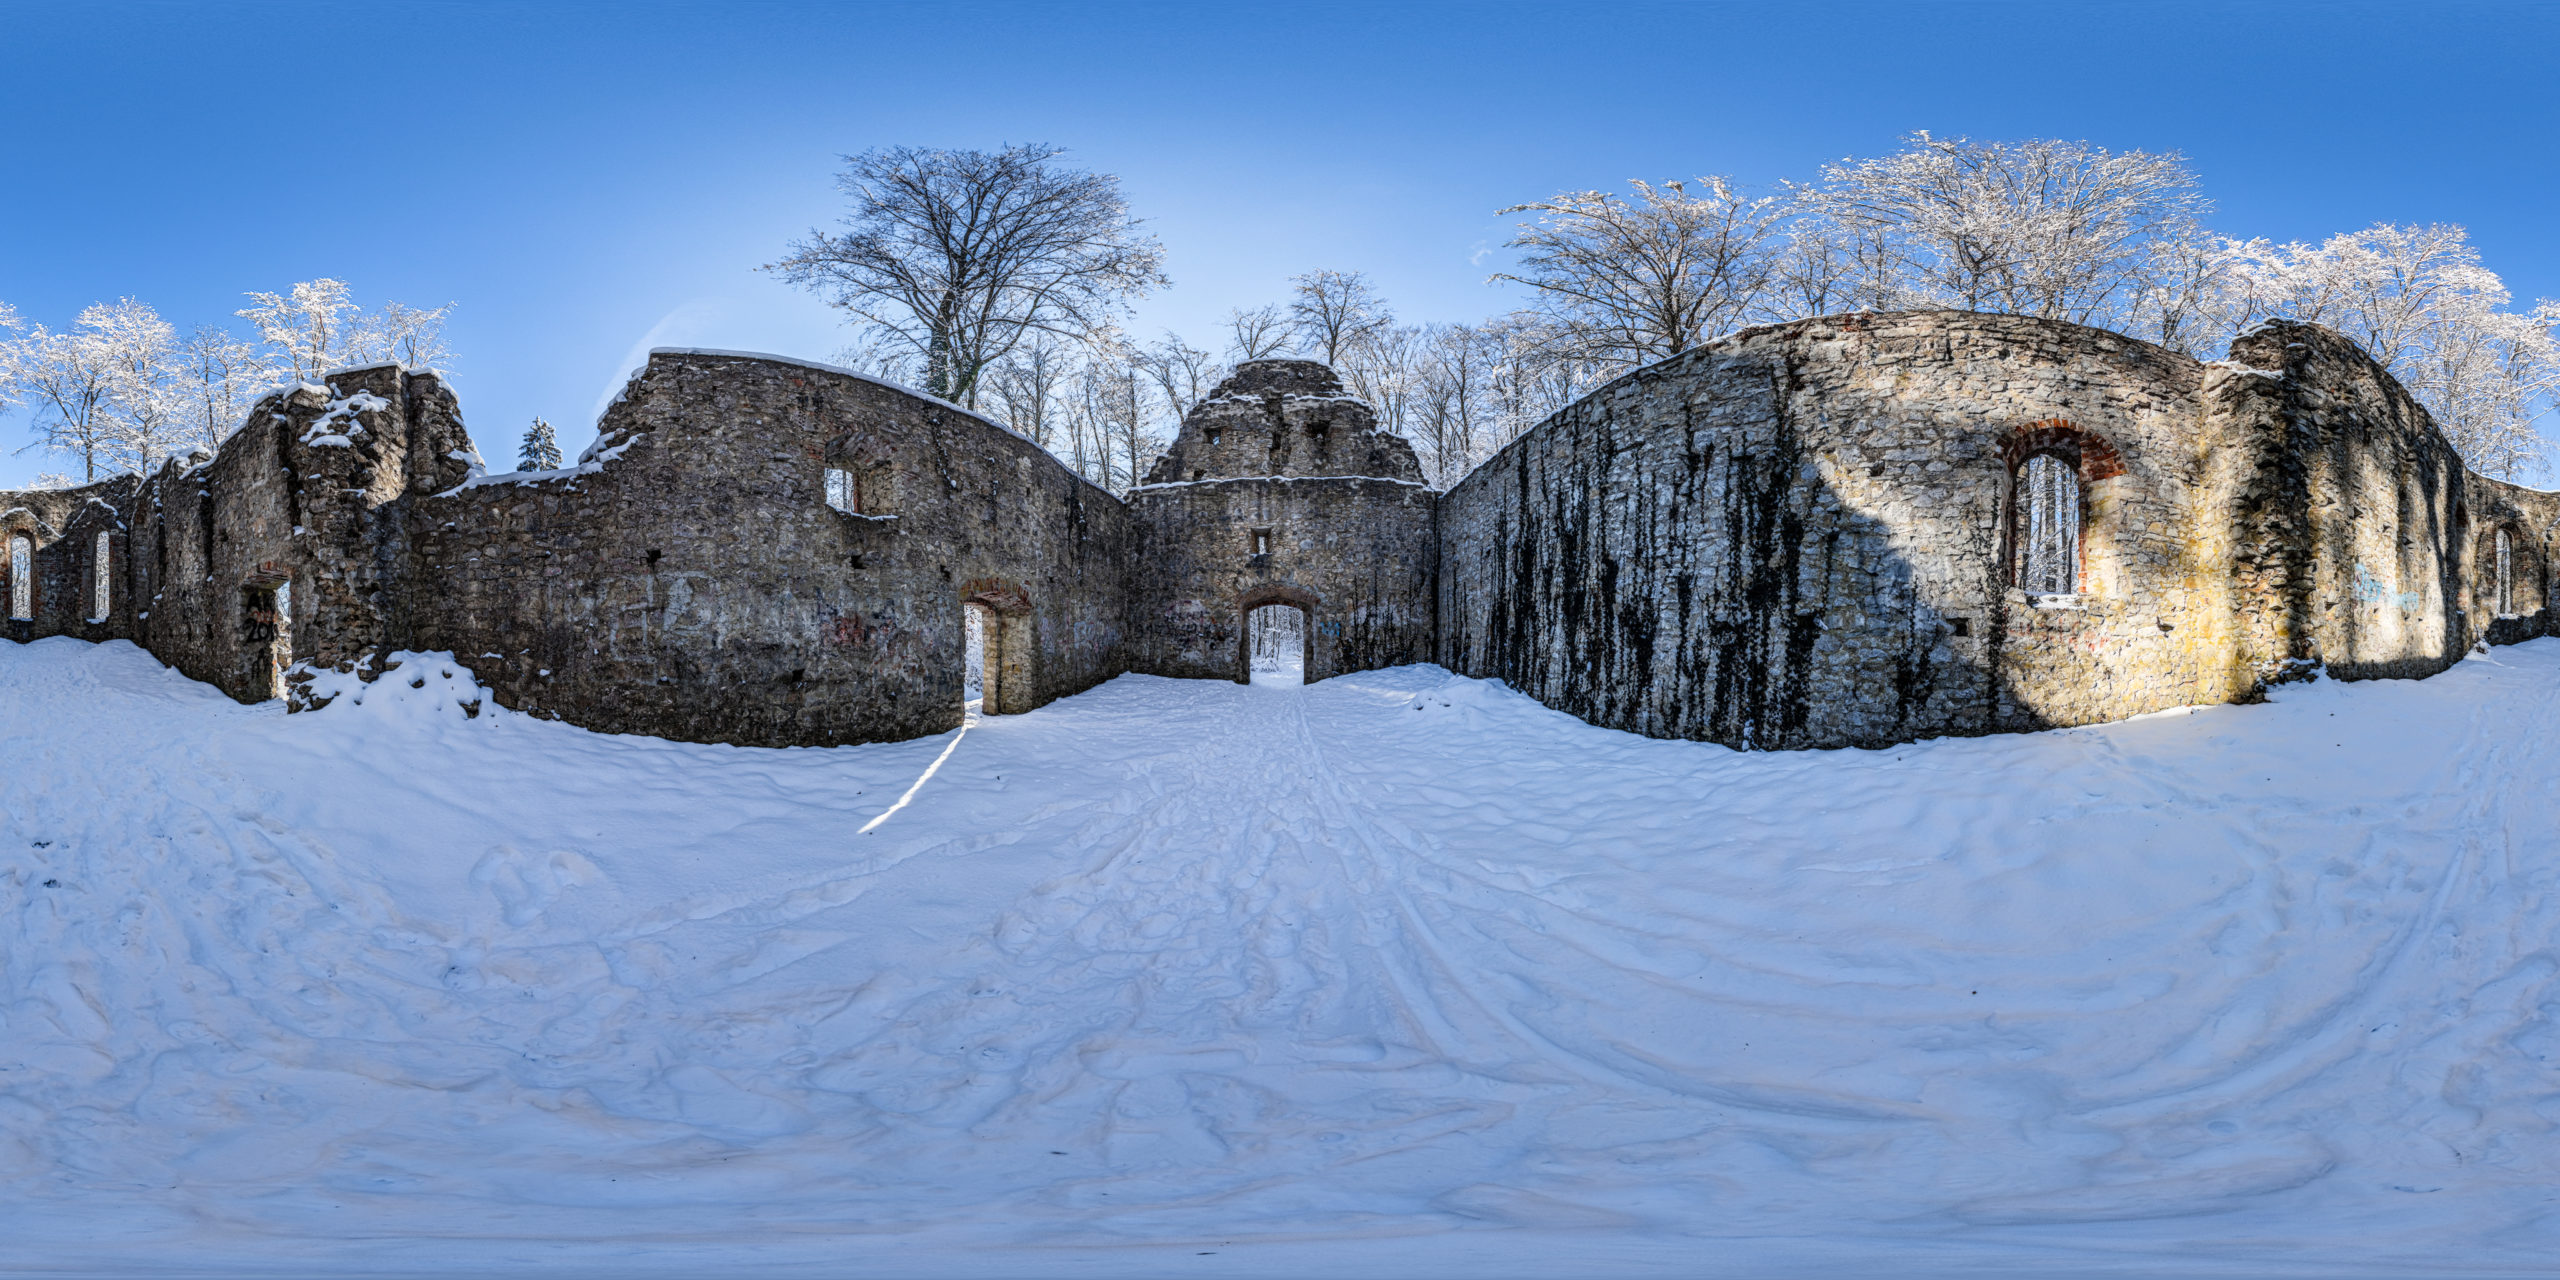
(1279, 488)
(690, 580)
(2531, 520)
(307, 495)
(1804, 535)
(1799, 536)
(61, 527)
(2348, 505)
(1283, 418)
(1356, 554)
(303, 496)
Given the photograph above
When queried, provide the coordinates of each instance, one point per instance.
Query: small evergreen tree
(541, 450)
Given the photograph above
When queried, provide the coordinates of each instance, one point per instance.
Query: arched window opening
(100, 594)
(2504, 584)
(1276, 642)
(22, 578)
(2048, 526)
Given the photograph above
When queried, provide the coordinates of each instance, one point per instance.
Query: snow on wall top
(858, 376)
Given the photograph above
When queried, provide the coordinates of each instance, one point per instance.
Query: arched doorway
(997, 648)
(1268, 623)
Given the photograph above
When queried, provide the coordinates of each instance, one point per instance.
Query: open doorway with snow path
(976, 621)
(1276, 644)
(998, 653)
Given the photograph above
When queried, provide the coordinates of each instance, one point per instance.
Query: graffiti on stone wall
(2371, 590)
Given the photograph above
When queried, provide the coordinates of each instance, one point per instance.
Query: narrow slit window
(22, 578)
(1262, 542)
(2506, 579)
(100, 593)
(842, 492)
(2049, 536)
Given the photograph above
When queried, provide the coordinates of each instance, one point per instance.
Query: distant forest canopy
(1003, 280)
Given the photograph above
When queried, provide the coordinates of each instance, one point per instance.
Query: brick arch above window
(2090, 452)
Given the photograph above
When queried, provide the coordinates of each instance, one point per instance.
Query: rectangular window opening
(100, 594)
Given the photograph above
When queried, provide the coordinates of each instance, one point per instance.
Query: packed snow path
(1396, 974)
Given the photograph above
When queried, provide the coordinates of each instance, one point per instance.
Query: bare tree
(2417, 299)
(145, 406)
(220, 376)
(961, 254)
(2062, 230)
(1182, 373)
(311, 327)
(317, 326)
(67, 378)
(1451, 421)
(412, 337)
(1650, 277)
(1029, 389)
(1257, 333)
(1332, 311)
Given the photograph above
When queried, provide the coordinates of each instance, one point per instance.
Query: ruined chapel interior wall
(2531, 520)
(1359, 553)
(2343, 522)
(1793, 538)
(62, 527)
(697, 585)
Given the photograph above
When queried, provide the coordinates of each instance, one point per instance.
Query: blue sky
(586, 181)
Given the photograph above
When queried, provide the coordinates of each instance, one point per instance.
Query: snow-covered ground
(1396, 974)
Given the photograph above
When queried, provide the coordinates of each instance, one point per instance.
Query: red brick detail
(1004, 597)
(2098, 459)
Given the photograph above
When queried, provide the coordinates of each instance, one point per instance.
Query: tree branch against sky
(1650, 277)
(2043, 227)
(1331, 311)
(960, 254)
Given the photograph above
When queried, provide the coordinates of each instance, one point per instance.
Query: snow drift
(1397, 974)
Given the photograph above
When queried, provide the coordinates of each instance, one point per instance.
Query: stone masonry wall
(308, 495)
(1279, 488)
(1798, 536)
(1283, 418)
(1803, 535)
(2346, 509)
(61, 527)
(2531, 519)
(1356, 554)
(303, 496)
(691, 581)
